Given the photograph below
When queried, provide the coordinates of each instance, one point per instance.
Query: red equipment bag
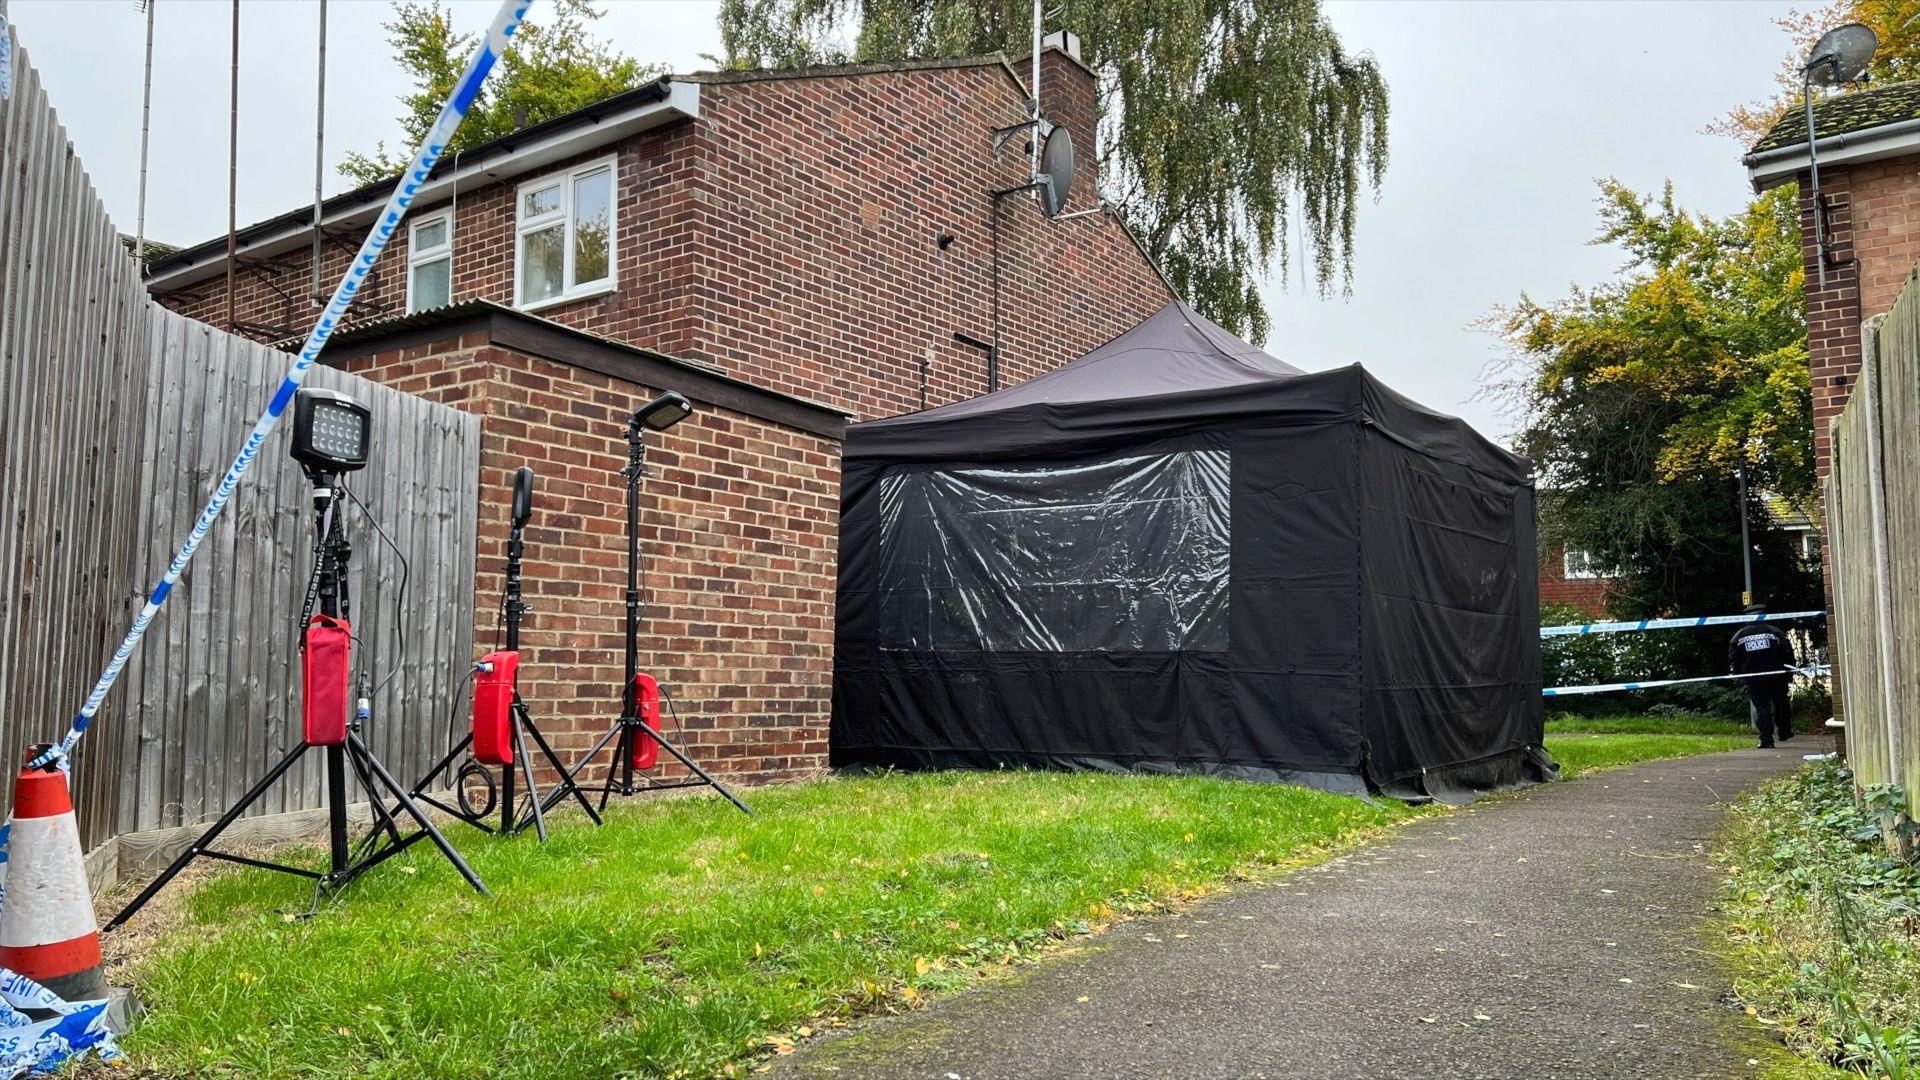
(646, 702)
(323, 681)
(493, 708)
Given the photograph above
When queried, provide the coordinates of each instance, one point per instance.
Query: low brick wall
(739, 522)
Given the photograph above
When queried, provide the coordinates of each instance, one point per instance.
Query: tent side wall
(1451, 651)
(1274, 695)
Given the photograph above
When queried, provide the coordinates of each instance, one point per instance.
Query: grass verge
(1583, 752)
(1823, 922)
(685, 939)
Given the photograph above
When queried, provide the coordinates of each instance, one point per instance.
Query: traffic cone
(47, 930)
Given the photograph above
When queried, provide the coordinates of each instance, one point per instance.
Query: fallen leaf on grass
(1481, 1016)
(1429, 1019)
(1082, 998)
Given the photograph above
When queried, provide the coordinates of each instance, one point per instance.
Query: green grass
(1580, 753)
(686, 939)
(1644, 724)
(683, 936)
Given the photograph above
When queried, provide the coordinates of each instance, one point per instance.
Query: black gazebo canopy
(1178, 553)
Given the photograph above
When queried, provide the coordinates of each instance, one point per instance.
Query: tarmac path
(1562, 932)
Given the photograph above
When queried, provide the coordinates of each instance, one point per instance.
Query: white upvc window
(563, 235)
(430, 262)
(1577, 565)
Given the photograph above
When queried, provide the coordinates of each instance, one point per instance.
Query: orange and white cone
(47, 929)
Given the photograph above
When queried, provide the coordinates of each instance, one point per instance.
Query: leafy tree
(1897, 22)
(554, 66)
(1640, 397)
(1223, 120)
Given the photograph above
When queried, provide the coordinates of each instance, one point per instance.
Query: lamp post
(1746, 542)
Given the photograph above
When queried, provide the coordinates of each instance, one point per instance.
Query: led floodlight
(330, 431)
(663, 412)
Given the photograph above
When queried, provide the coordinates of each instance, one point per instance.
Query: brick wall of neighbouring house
(1587, 594)
(790, 237)
(738, 525)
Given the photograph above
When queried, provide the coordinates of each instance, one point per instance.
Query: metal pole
(233, 169)
(146, 115)
(319, 152)
(1039, 20)
(1746, 542)
(1813, 166)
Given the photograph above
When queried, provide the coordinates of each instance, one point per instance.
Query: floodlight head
(522, 495)
(1841, 54)
(663, 412)
(331, 431)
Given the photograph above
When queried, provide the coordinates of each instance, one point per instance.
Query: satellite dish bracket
(1002, 135)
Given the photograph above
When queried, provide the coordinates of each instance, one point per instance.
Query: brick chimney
(1069, 97)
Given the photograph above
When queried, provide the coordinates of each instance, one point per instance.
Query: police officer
(1763, 646)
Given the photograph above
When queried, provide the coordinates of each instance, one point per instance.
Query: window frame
(1587, 571)
(415, 258)
(564, 216)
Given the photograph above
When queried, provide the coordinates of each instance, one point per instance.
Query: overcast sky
(1504, 115)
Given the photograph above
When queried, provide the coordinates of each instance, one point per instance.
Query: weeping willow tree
(1226, 125)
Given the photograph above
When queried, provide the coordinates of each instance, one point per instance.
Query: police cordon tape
(1574, 629)
(27, 1045)
(1644, 684)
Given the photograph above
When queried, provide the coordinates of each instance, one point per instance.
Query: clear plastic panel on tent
(1125, 555)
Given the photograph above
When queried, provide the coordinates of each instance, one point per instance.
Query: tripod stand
(324, 669)
(501, 720)
(629, 734)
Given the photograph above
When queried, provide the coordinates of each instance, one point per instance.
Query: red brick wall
(739, 520)
(1833, 311)
(1587, 594)
(790, 237)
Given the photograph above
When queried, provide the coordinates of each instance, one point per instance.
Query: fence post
(1877, 523)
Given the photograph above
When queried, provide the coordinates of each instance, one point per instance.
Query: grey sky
(1504, 115)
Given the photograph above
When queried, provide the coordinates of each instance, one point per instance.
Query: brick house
(1869, 156)
(791, 250)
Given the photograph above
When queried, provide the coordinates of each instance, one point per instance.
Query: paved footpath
(1554, 934)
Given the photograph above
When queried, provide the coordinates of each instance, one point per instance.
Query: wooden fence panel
(1876, 550)
(117, 419)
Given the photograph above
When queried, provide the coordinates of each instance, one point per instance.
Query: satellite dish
(1842, 54)
(1056, 171)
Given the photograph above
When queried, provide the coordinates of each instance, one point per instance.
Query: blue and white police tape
(1645, 684)
(505, 22)
(1672, 624)
(40, 1046)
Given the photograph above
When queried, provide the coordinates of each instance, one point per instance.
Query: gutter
(1771, 168)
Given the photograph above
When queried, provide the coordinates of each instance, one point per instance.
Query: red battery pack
(323, 682)
(493, 707)
(646, 702)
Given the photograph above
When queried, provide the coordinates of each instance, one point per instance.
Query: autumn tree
(1223, 121)
(555, 66)
(1639, 398)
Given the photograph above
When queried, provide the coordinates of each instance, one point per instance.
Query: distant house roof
(1863, 126)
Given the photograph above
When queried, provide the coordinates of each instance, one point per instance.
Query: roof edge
(562, 344)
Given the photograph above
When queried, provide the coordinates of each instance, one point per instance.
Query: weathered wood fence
(117, 419)
(1873, 522)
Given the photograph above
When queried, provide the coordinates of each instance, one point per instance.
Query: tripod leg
(567, 786)
(206, 838)
(383, 819)
(526, 766)
(697, 770)
(439, 767)
(417, 814)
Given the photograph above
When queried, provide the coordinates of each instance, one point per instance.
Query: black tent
(1178, 553)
